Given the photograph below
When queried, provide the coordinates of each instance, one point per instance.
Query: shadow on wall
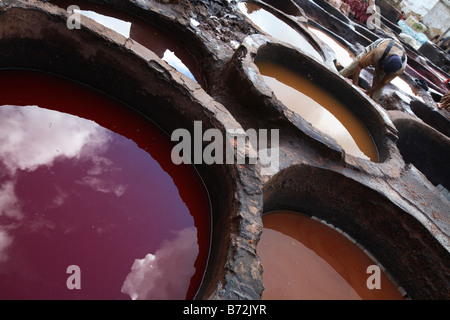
(431, 117)
(425, 148)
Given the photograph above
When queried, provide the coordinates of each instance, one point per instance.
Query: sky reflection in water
(75, 193)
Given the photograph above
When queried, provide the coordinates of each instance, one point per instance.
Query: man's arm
(356, 74)
(362, 63)
(380, 85)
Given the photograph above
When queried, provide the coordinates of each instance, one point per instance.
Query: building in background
(433, 14)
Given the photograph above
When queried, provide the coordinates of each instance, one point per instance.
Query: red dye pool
(86, 181)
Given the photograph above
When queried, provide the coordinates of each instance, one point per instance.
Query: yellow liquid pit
(277, 28)
(304, 259)
(344, 56)
(320, 108)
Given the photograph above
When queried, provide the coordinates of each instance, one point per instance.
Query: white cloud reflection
(9, 203)
(32, 137)
(167, 273)
(103, 186)
(5, 242)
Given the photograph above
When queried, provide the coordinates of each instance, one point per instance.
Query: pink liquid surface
(86, 181)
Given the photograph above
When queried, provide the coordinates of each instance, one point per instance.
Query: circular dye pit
(277, 28)
(165, 46)
(320, 108)
(343, 55)
(304, 259)
(86, 181)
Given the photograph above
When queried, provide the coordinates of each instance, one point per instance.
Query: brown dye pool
(86, 181)
(320, 108)
(304, 259)
(344, 56)
(277, 28)
(160, 42)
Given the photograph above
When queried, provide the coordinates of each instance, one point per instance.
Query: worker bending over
(387, 56)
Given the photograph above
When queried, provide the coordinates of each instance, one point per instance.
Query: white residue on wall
(419, 7)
